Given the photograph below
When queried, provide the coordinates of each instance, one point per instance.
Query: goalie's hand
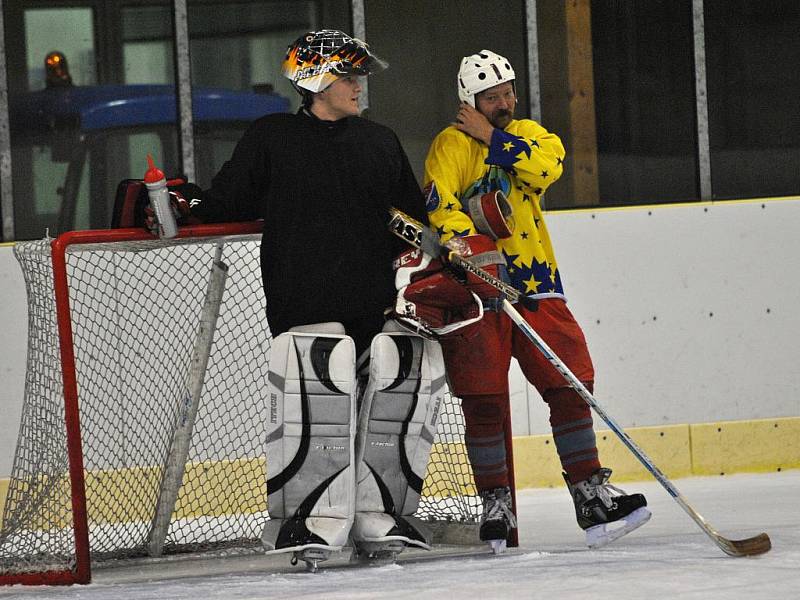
(481, 251)
(180, 206)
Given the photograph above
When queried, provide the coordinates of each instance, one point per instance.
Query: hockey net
(113, 334)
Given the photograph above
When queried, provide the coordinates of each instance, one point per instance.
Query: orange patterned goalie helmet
(317, 58)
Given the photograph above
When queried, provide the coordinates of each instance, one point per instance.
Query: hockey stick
(404, 226)
(189, 404)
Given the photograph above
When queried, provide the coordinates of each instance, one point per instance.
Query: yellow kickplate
(3, 493)
(678, 450)
(751, 446)
(536, 462)
(667, 447)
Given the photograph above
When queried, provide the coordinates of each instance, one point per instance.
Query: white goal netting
(134, 310)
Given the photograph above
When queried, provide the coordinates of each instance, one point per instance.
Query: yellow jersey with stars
(521, 161)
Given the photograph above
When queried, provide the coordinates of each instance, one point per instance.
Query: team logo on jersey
(432, 199)
(494, 179)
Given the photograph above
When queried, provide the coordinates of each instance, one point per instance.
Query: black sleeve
(409, 197)
(237, 191)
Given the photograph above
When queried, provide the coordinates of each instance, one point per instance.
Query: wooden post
(567, 89)
(578, 23)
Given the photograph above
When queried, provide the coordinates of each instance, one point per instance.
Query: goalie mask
(480, 72)
(316, 59)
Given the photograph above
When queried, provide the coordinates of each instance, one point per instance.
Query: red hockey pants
(477, 367)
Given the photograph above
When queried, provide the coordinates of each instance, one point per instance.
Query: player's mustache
(501, 116)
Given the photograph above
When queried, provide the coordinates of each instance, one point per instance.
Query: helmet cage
(315, 60)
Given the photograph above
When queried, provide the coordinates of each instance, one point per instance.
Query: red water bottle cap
(154, 174)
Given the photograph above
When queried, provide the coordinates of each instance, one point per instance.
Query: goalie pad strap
(434, 321)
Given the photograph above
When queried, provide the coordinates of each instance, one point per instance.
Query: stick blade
(753, 546)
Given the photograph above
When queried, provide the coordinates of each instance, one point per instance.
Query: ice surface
(670, 557)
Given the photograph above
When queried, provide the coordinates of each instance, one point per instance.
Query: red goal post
(142, 431)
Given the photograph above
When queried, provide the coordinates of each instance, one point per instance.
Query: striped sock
(487, 455)
(484, 417)
(573, 433)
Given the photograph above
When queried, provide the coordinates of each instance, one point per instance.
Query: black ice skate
(604, 511)
(498, 518)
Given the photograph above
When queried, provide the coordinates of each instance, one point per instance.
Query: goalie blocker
(438, 298)
(339, 475)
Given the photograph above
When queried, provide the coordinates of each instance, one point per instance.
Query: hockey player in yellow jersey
(521, 161)
(486, 151)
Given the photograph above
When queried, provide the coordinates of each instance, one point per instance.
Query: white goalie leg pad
(310, 440)
(397, 422)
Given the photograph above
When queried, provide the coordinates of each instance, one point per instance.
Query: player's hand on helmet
(472, 122)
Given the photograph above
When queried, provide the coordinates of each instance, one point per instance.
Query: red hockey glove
(491, 214)
(429, 298)
(482, 252)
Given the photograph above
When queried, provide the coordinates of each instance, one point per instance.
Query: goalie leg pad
(310, 441)
(397, 422)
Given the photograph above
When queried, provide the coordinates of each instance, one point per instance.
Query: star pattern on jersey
(506, 149)
(521, 167)
(511, 259)
(536, 277)
(521, 147)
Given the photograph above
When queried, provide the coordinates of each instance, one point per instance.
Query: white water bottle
(159, 199)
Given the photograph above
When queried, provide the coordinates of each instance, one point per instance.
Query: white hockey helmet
(480, 72)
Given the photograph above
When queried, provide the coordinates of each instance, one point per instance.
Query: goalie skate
(377, 553)
(312, 557)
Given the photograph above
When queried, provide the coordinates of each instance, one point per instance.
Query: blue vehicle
(72, 146)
